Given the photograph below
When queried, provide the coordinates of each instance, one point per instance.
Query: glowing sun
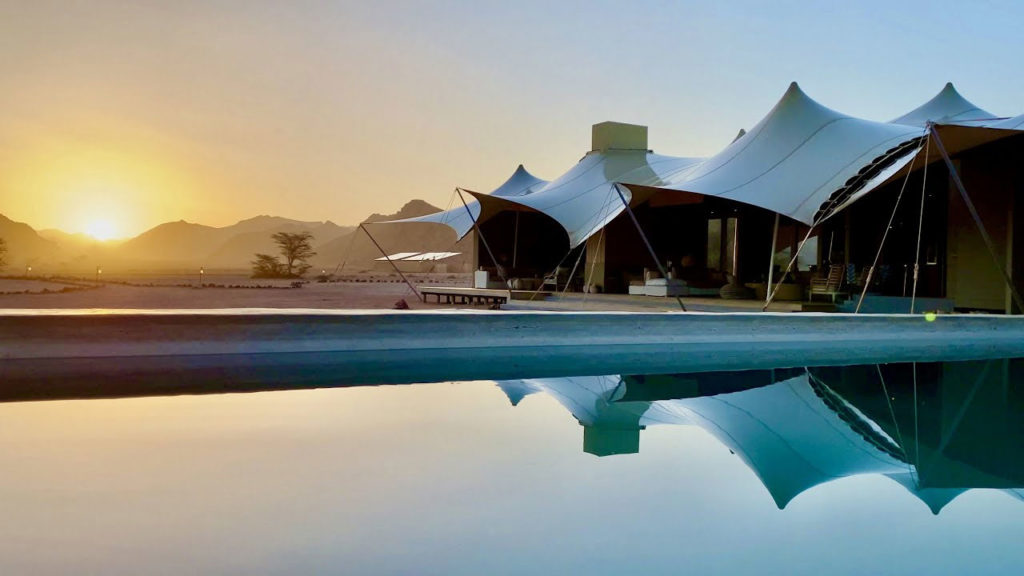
(101, 230)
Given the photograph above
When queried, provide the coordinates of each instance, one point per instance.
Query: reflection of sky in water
(438, 479)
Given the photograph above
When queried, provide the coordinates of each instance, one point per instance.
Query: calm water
(882, 469)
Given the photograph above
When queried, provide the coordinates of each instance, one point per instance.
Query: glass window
(714, 244)
(809, 255)
(728, 248)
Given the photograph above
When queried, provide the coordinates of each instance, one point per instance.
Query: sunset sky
(136, 113)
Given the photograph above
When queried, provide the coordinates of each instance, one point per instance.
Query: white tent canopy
(793, 160)
(802, 160)
(1015, 123)
(520, 183)
(584, 199)
(947, 107)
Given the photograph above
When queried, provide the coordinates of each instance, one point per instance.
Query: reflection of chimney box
(609, 441)
(618, 136)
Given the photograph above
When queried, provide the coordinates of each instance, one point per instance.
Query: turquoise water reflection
(875, 474)
(936, 429)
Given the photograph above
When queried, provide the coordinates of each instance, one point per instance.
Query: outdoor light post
(98, 272)
(201, 272)
(28, 271)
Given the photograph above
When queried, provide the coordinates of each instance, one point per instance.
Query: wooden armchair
(557, 278)
(831, 285)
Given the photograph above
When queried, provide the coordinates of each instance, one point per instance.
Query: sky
(117, 116)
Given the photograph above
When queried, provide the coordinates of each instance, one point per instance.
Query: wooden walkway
(453, 295)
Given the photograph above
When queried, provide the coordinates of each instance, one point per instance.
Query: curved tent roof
(791, 438)
(800, 160)
(947, 107)
(584, 199)
(598, 401)
(520, 183)
(1015, 123)
(935, 498)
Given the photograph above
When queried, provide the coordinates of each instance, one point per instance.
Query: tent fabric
(802, 160)
(521, 183)
(793, 160)
(788, 436)
(947, 107)
(1015, 123)
(785, 432)
(584, 199)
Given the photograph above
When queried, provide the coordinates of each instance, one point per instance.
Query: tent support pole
(974, 214)
(661, 268)
(885, 234)
(792, 261)
(393, 265)
(920, 229)
(480, 233)
(771, 258)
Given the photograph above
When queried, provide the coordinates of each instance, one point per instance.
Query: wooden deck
(487, 296)
(455, 295)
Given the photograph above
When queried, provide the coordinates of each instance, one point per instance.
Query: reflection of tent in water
(966, 430)
(798, 428)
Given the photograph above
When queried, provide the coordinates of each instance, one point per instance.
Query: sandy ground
(379, 291)
(219, 291)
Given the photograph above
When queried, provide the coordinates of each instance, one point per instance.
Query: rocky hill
(179, 245)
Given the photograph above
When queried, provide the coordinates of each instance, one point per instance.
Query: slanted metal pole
(661, 268)
(771, 260)
(920, 228)
(792, 261)
(974, 214)
(393, 265)
(484, 240)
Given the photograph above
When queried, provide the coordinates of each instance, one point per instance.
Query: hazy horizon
(118, 116)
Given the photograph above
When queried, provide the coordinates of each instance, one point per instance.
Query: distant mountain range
(184, 245)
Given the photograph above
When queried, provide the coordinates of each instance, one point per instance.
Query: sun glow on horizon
(101, 230)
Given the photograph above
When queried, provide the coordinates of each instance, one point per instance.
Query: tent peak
(948, 106)
(794, 90)
(796, 98)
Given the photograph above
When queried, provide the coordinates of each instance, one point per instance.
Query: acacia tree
(295, 248)
(267, 266)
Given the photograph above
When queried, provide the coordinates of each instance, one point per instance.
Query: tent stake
(393, 265)
(974, 214)
(476, 227)
(650, 249)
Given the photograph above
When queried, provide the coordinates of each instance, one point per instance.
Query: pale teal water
(454, 479)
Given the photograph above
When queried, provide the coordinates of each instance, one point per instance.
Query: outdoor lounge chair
(558, 278)
(831, 285)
